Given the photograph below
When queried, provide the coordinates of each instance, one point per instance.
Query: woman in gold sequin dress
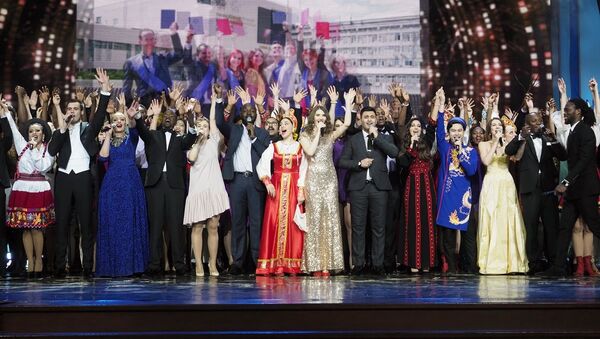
(323, 251)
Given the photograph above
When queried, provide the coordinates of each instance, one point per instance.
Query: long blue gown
(122, 241)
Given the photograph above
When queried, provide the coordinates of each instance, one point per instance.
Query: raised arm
(349, 100)
(105, 150)
(596, 97)
(177, 53)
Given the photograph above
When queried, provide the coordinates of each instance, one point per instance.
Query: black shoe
(60, 274)
(235, 270)
(389, 269)
(357, 271)
(88, 274)
(180, 273)
(152, 274)
(378, 270)
(552, 272)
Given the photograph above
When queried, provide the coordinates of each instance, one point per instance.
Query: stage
(408, 305)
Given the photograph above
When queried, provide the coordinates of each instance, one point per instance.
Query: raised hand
(313, 95)
(529, 101)
(274, 89)
(133, 109)
(217, 90)
(562, 86)
(56, 99)
(33, 98)
(333, 94)
(449, 107)
(485, 102)
(284, 104)
(372, 100)
(259, 99)
(103, 79)
(44, 95)
(243, 95)
(121, 101)
(593, 84)
(20, 91)
(231, 97)
(385, 107)
(175, 92)
(174, 27)
(349, 96)
(551, 106)
(299, 95)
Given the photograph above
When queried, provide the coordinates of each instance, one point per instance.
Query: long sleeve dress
(281, 240)
(31, 204)
(418, 249)
(122, 240)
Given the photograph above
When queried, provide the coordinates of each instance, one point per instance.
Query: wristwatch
(565, 182)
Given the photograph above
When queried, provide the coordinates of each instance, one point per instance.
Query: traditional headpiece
(507, 121)
(456, 120)
(290, 115)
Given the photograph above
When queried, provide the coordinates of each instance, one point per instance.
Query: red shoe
(580, 268)
(317, 274)
(587, 265)
(325, 274)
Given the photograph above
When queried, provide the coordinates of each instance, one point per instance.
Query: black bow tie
(165, 130)
(537, 135)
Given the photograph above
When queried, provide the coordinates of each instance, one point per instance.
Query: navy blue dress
(122, 242)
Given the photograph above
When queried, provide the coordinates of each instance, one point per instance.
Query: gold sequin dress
(323, 239)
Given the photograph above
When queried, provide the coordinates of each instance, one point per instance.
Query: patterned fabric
(30, 210)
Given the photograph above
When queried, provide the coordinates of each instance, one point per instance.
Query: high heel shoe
(213, 272)
(200, 274)
(587, 264)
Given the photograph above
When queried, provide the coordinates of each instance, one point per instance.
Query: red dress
(281, 241)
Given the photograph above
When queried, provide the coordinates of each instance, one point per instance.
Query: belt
(246, 174)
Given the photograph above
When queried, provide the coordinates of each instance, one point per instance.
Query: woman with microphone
(207, 197)
(419, 206)
(501, 231)
(31, 204)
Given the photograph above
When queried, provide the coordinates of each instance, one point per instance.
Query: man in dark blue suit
(202, 72)
(150, 70)
(246, 192)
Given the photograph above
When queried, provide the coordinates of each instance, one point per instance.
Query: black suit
(5, 144)
(368, 197)
(165, 192)
(581, 198)
(246, 192)
(75, 188)
(537, 181)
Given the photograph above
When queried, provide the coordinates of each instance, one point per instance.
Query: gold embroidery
(282, 222)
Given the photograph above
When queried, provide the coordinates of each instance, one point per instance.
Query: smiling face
(147, 40)
(119, 122)
(510, 132)
(496, 126)
(369, 119)
(36, 133)
(339, 65)
(380, 116)
(415, 128)
(257, 59)
(289, 51)
(286, 128)
(202, 126)
(477, 135)
(276, 51)
(572, 113)
(235, 60)
(204, 53)
(272, 126)
(179, 127)
(168, 119)
(320, 116)
(456, 132)
(309, 61)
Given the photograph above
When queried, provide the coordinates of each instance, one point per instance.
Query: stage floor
(401, 289)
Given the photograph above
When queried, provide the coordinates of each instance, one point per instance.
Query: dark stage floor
(407, 305)
(298, 290)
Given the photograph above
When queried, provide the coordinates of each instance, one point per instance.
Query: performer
(458, 163)
(75, 143)
(365, 156)
(122, 245)
(149, 70)
(538, 176)
(501, 231)
(31, 205)
(202, 72)
(282, 241)
(418, 250)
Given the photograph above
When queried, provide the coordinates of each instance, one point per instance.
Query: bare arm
(310, 146)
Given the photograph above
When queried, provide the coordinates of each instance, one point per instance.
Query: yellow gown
(501, 232)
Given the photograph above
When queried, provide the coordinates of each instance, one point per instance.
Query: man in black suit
(150, 70)
(538, 176)
(581, 186)
(75, 143)
(5, 145)
(365, 155)
(246, 192)
(165, 187)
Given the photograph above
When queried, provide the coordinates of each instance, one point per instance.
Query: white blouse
(31, 161)
(263, 168)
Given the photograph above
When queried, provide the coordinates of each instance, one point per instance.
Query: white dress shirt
(168, 140)
(140, 154)
(80, 159)
(537, 144)
(242, 158)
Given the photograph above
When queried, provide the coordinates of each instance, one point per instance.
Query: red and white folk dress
(31, 204)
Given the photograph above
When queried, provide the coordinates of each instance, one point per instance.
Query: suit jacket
(155, 143)
(583, 175)
(161, 62)
(233, 132)
(529, 166)
(61, 142)
(356, 150)
(196, 70)
(5, 145)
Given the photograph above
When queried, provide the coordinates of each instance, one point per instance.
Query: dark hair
(81, 106)
(145, 30)
(587, 114)
(310, 121)
(423, 148)
(367, 109)
(488, 132)
(472, 131)
(250, 64)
